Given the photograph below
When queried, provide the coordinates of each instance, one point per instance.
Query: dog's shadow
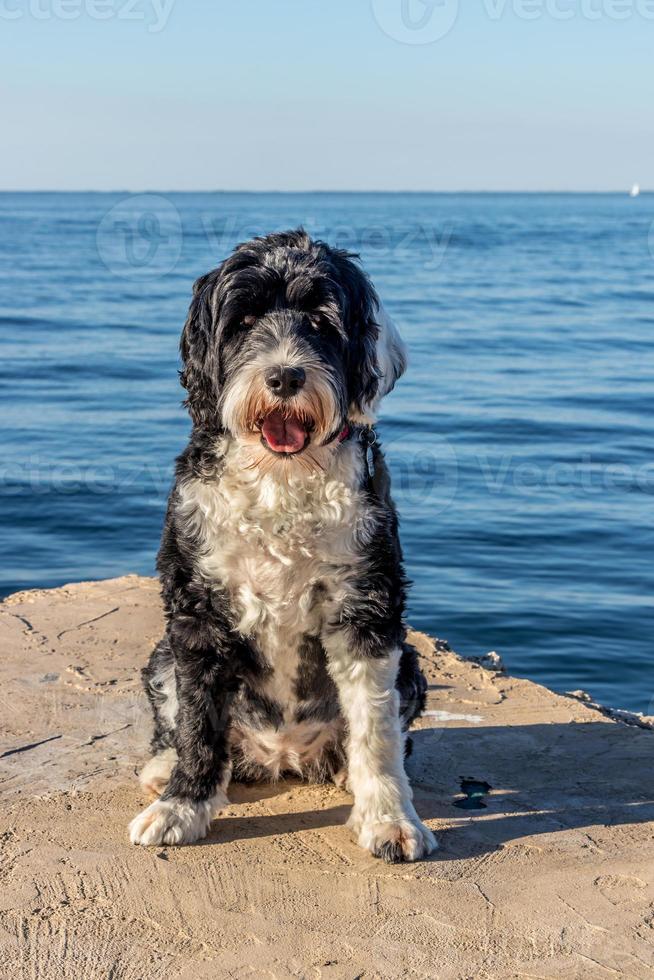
(492, 785)
(541, 779)
(228, 829)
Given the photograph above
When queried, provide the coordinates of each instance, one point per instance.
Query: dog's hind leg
(160, 688)
(155, 774)
(207, 659)
(411, 684)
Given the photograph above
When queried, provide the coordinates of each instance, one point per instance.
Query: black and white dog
(280, 562)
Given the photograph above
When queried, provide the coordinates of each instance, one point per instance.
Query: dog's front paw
(406, 839)
(175, 821)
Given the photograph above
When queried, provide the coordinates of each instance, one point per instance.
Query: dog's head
(284, 343)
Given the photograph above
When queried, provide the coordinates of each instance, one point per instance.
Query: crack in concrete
(32, 745)
(87, 622)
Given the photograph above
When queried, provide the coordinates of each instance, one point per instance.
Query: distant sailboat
(635, 191)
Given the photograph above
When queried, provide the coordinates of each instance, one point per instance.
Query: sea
(521, 440)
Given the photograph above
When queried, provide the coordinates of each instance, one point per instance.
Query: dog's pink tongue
(284, 434)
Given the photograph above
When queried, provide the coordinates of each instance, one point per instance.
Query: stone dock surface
(546, 870)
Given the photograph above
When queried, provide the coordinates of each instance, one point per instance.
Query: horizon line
(123, 190)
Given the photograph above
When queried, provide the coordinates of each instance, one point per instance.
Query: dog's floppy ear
(391, 354)
(377, 355)
(199, 351)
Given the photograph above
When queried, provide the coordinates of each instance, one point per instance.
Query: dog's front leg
(383, 816)
(205, 689)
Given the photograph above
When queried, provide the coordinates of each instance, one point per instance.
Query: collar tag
(369, 438)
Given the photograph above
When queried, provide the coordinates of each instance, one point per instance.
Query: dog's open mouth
(285, 433)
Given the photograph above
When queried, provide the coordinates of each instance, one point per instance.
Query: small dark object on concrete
(474, 790)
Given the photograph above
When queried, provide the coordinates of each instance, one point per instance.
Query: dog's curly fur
(281, 567)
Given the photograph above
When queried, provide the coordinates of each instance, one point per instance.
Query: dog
(282, 577)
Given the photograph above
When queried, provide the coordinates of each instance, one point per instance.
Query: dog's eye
(319, 322)
(249, 321)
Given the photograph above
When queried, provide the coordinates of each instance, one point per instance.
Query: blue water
(521, 439)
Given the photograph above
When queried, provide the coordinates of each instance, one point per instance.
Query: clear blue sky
(321, 94)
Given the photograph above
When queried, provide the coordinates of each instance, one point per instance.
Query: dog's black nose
(285, 381)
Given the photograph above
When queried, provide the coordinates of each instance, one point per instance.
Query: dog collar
(367, 438)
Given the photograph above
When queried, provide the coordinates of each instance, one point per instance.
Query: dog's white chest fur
(283, 551)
